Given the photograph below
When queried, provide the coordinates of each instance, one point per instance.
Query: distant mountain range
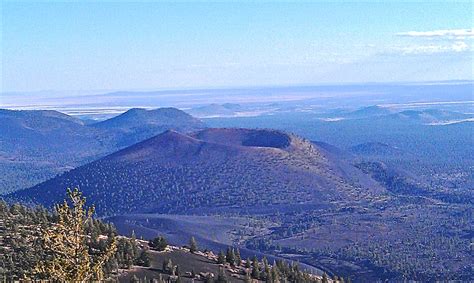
(37, 145)
(45, 143)
(432, 116)
(425, 116)
(215, 110)
(370, 111)
(374, 112)
(212, 170)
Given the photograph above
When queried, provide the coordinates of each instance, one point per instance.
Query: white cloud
(442, 33)
(444, 41)
(458, 46)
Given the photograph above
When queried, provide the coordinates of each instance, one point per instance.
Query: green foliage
(325, 278)
(159, 243)
(28, 235)
(143, 259)
(230, 256)
(247, 278)
(168, 267)
(238, 258)
(65, 246)
(221, 276)
(248, 263)
(221, 258)
(193, 247)
(255, 268)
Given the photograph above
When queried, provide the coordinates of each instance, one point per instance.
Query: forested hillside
(37, 244)
(282, 196)
(213, 170)
(37, 145)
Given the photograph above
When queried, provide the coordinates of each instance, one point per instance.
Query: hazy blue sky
(83, 46)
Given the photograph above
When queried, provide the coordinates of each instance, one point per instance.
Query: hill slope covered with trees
(213, 170)
(68, 244)
(37, 145)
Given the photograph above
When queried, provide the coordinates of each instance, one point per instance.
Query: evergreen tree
(221, 277)
(325, 278)
(168, 266)
(275, 274)
(221, 258)
(209, 279)
(65, 243)
(144, 259)
(266, 266)
(133, 242)
(238, 259)
(255, 268)
(248, 263)
(193, 247)
(164, 265)
(230, 256)
(177, 271)
(129, 262)
(111, 267)
(267, 277)
(159, 243)
(247, 278)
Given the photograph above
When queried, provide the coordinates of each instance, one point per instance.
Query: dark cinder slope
(212, 170)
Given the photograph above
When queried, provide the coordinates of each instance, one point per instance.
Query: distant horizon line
(158, 89)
